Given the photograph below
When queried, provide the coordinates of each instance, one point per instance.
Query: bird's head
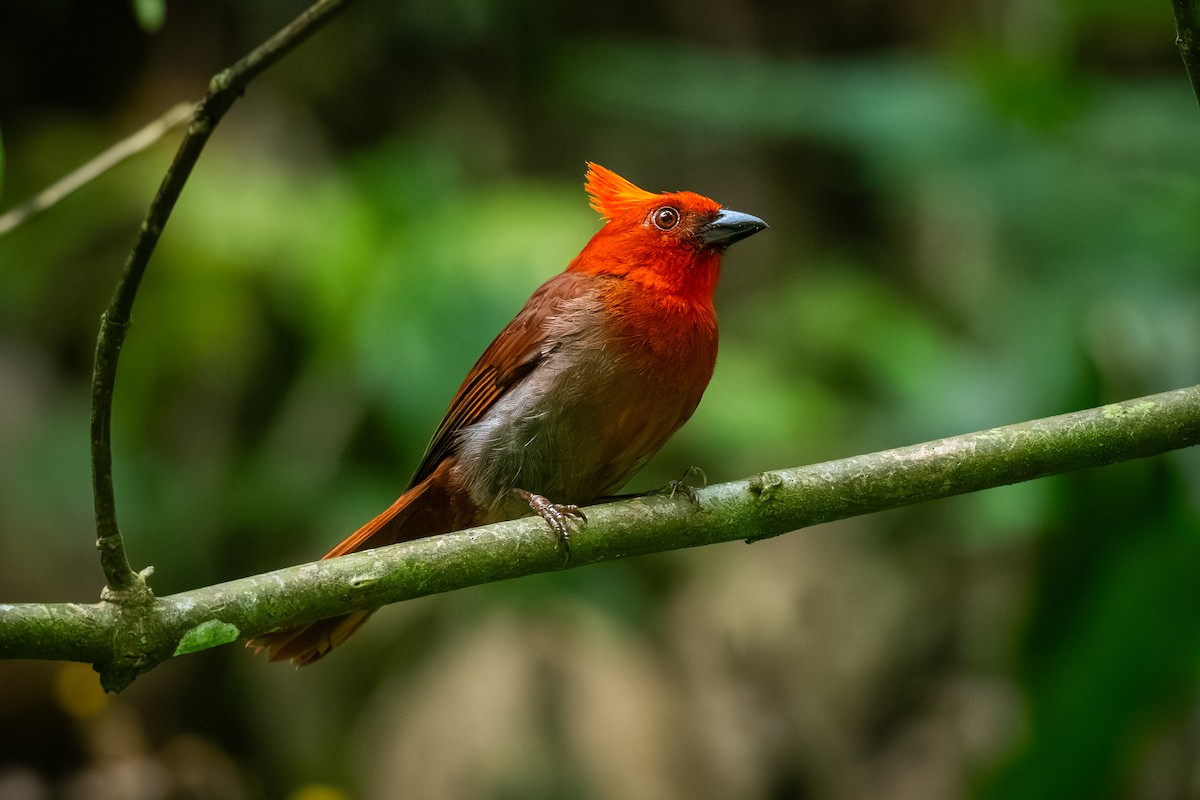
(671, 241)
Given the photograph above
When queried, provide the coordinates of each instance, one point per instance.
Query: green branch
(1187, 39)
(123, 640)
(224, 89)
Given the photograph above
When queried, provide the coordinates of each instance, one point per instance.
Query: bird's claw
(684, 487)
(557, 516)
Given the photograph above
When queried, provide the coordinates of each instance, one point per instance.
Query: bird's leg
(557, 515)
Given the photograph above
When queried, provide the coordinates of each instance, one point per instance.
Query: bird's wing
(511, 356)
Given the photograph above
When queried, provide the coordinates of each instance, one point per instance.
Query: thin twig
(129, 146)
(123, 641)
(1187, 39)
(223, 90)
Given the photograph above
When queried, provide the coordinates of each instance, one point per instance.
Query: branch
(1187, 39)
(127, 147)
(223, 90)
(122, 640)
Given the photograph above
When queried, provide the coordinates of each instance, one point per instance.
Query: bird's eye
(666, 218)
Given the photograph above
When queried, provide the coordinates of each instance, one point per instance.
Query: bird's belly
(576, 430)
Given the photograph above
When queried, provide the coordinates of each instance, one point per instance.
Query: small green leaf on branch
(210, 633)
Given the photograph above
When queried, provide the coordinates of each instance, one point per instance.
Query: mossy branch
(123, 639)
(223, 90)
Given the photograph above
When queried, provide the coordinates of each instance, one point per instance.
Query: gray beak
(729, 227)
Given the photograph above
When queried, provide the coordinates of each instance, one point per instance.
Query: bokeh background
(981, 212)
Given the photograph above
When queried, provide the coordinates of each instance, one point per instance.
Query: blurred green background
(980, 213)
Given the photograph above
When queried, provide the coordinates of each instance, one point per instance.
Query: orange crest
(611, 194)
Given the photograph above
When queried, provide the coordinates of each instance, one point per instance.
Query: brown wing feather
(512, 355)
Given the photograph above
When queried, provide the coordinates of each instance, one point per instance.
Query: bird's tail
(426, 509)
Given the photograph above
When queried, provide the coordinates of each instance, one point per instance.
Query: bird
(605, 361)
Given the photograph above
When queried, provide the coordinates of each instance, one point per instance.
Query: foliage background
(981, 213)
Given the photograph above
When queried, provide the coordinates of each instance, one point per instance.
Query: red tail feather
(424, 510)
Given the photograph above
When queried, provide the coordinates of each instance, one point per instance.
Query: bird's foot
(557, 515)
(684, 486)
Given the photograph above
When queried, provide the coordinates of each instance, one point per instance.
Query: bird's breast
(613, 385)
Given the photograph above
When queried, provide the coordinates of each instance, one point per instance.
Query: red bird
(588, 381)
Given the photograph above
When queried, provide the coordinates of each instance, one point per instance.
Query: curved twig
(223, 90)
